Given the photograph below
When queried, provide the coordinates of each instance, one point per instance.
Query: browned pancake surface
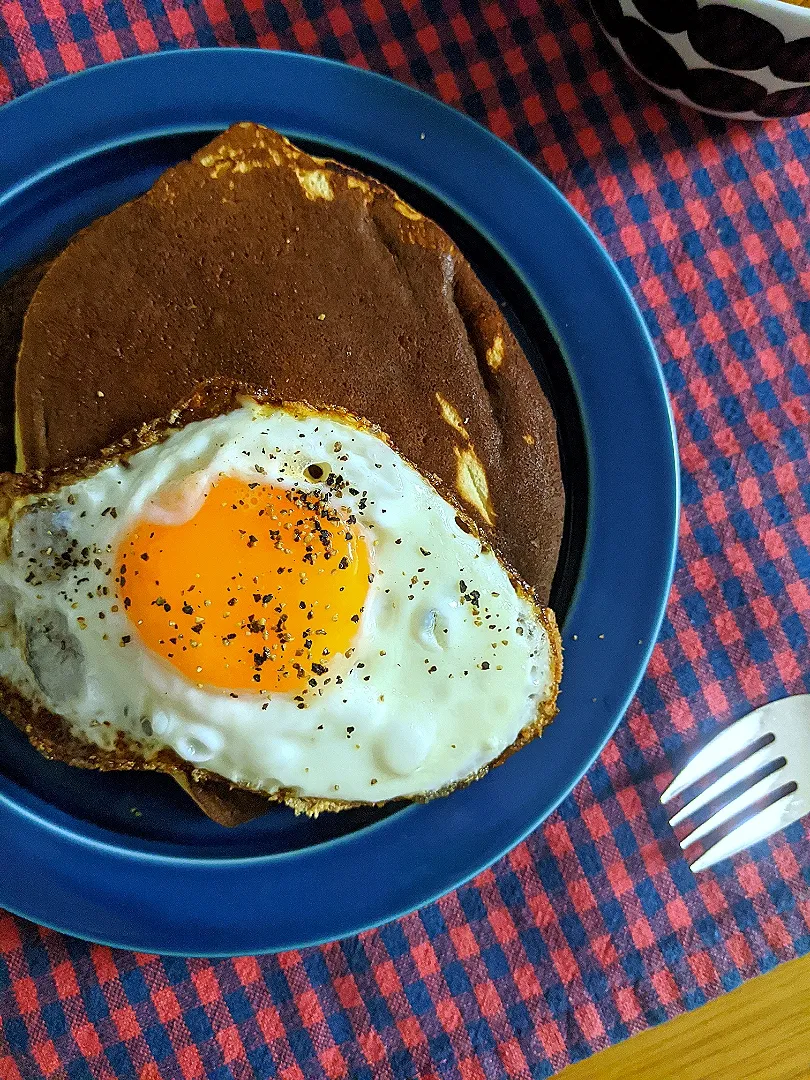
(259, 263)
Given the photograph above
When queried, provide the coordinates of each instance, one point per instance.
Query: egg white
(449, 664)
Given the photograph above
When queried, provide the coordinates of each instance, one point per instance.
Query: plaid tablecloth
(595, 927)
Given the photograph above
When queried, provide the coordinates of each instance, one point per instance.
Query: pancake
(259, 263)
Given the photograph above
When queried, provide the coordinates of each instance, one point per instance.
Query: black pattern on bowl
(732, 38)
(793, 61)
(746, 58)
(786, 102)
(723, 91)
(669, 15)
(651, 54)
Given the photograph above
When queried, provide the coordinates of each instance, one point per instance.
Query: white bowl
(747, 59)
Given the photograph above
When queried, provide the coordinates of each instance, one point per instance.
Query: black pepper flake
(485, 665)
(145, 556)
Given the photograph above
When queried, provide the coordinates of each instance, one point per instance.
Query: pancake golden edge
(49, 733)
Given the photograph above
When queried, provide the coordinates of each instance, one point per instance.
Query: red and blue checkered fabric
(595, 927)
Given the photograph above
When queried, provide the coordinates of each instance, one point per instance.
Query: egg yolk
(259, 590)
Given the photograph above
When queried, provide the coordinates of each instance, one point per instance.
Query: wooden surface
(759, 1032)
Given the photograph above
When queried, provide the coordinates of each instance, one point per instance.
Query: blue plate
(128, 860)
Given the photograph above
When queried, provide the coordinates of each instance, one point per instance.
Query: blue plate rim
(196, 90)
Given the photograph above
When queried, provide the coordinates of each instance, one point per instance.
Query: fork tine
(752, 764)
(723, 746)
(768, 785)
(759, 827)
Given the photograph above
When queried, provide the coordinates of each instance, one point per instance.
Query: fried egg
(279, 598)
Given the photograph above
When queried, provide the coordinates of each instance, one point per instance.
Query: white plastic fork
(788, 721)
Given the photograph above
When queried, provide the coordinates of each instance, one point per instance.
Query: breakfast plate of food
(331, 439)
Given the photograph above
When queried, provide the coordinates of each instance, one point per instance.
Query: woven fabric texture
(595, 927)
